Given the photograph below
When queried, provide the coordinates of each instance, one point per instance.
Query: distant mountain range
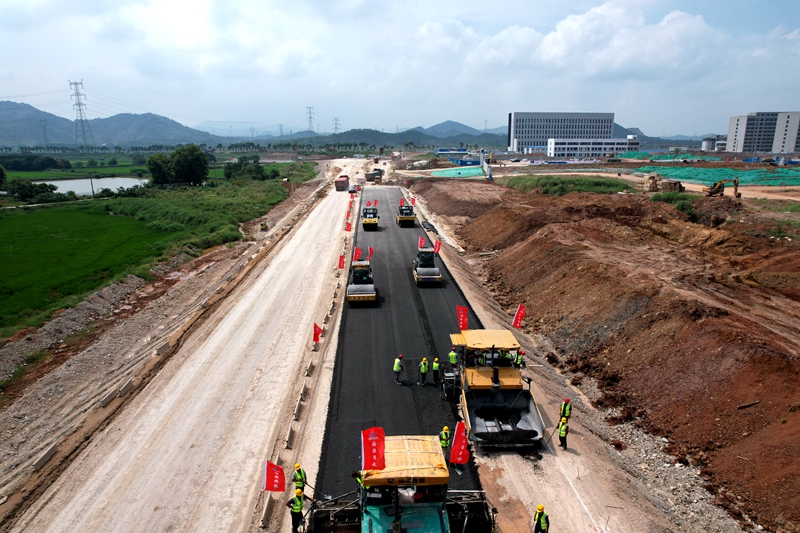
(22, 125)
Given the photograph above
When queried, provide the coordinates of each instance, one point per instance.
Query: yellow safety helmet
(564, 419)
(297, 466)
(436, 360)
(540, 508)
(298, 492)
(446, 428)
(424, 359)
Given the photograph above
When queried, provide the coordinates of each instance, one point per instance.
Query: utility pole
(335, 124)
(80, 115)
(310, 111)
(281, 129)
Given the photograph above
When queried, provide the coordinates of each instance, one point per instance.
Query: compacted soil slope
(692, 329)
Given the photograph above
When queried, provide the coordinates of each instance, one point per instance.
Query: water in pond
(83, 187)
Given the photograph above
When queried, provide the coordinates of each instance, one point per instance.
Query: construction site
(677, 342)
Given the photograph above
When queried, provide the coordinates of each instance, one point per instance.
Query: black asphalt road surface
(414, 321)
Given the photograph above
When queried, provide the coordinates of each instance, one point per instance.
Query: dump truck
(499, 411)
(342, 183)
(410, 494)
(369, 218)
(424, 267)
(360, 286)
(405, 216)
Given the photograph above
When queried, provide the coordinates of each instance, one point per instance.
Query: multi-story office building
(772, 132)
(580, 148)
(529, 132)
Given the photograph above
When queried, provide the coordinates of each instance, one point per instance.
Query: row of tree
(185, 165)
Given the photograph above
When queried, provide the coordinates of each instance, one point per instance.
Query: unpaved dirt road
(187, 454)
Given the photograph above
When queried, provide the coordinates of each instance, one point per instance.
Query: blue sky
(667, 67)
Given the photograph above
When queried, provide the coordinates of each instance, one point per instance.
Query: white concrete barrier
(289, 437)
(46, 456)
(126, 387)
(163, 348)
(105, 400)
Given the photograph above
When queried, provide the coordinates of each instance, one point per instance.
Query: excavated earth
(689, 330)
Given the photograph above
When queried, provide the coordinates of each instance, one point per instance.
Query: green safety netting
(681, 157)
(707, 176)
(634, 155)
(459, 172)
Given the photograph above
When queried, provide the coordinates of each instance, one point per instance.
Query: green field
(53, 257)
(559, 186)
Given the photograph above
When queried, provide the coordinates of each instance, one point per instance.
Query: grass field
(53, 257)
(559, 185)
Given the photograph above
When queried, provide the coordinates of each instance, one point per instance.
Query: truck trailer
(342, 183)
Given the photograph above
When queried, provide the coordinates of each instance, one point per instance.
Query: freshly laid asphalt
(414, 321)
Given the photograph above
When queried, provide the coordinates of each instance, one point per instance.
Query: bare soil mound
(690, 328)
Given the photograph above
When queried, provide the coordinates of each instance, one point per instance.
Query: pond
(83, 187)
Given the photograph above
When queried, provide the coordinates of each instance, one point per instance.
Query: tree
(159, 167)
(2, 176)
(189, 165)
(139, 160)
(91, 163)
(113, 162)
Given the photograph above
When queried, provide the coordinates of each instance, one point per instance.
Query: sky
(255, 66)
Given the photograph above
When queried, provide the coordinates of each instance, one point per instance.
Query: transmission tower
(44, 131)
(281, 128)
(310, 111)
(335, 124)
(80, 115)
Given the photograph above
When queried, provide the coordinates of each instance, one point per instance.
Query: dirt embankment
(691, 329)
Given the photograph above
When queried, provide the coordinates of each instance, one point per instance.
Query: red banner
(350, 205)
(351, 197)
(421, 242)
(370, 251)
(369, 203)
(402, 202)
(347, 226)
(375, 203)
(373, 449)
(317, 332)
(437, 246)
(341, 261)
(518, 316)
(459, 453)
(463, 320)
(347, 215)
(357, 254)
(413, 201)
(274, 479)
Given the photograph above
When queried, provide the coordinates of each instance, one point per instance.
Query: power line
(80, 115)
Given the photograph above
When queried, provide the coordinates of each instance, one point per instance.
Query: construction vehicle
(718, 188)
(424, 267)
(498, 410)
(417, 165)
(405, 216)
(410, 494)
(360, 285)
(342, 183)
(369, 218)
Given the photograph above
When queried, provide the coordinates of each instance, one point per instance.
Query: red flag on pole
(421, 242)
(437, 246)
(347, 215)
(518, 316)
(317, 332)
(341, 261)
(373, 449)
(350, 205)
(375, 203)
(459, 453)
(351, 197)
(369, 203)
(274, 479)
(347, 226)
(463, 320)
(370, 251)
(413, 201)
(357, 254)
(402, 202)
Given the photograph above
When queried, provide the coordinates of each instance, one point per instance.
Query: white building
(529, 132)
(770, 132)
(582, 148)
(714, 143)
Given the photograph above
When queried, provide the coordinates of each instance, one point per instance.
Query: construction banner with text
(357, 254)
(317, 332)
(459, 453)
(437, 246)
(370, 251)
(463, 320)
(402, 202)
(341, 261)
(421, 242)
(373, 449)
(518, 316)
(274, 479)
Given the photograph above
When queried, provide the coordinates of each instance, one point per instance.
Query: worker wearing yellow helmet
(444, 439)
(435, 366)
(423, 372)
(299, 477)
(563, 431)
(296, 509)
(541, 522)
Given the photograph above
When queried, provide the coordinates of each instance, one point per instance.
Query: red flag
(437, 246)
(375, 203)
(347, 226)
(350, 205)
(459, 453)
(317, 332)
(347, 215)
(421, 242)
(351, 197)
(402, 202)
(463, 320)
(373, 449)
(370, 251)
(518, 316)
(369, 203)
(274, 479)
(341, 261)
(413, 201)
(357, 254)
